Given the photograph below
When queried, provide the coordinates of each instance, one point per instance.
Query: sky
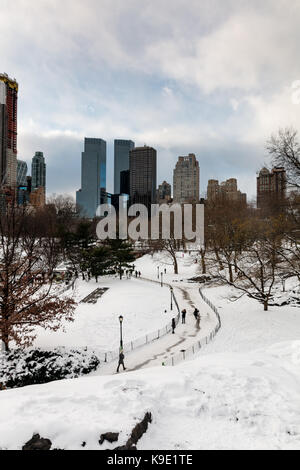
(211, 77)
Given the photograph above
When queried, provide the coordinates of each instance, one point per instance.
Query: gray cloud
(210, 77)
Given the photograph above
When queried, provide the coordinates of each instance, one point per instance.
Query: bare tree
(170, 246)
(255, 269)
(27, 295)
(285, 151)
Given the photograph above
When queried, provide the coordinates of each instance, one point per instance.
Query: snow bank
(220, 401)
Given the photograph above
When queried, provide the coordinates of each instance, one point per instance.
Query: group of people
(196, 314)
(129, 273)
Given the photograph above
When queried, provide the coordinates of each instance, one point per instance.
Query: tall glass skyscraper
(93, 176)
(38, 171)
(21, 173)
(121, 160)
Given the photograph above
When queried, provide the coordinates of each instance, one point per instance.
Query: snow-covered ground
(218, 401)
(242, 391)
(246, 326)
(150, 266)
(97, 325)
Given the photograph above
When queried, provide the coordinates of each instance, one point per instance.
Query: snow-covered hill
(218, 401)
(241, 391)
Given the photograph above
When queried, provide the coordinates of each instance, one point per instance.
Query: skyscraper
(38, 171)
(121, 160)
(142, 163)
(271, 187)
(164, 192)
(227, 191)
(8, 130)
(93, 176)
(21, 173)
(186, 180)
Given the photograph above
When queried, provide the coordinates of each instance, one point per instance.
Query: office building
(164, 193)
(93, 176)
(21, 173)
(142, 165)
(271, 187)
(38, 171)
(186, 179)
(37, 198)
(227, 191)
(121, 161)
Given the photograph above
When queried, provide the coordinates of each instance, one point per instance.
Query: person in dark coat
(183, 315)
(196, 313)
(173, 325)
(121, 361)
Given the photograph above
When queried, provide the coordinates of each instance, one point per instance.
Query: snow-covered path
(185, 336)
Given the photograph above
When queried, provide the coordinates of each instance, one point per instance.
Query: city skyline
(195, 84)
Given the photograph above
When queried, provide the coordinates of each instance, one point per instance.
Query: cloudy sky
(210, 77)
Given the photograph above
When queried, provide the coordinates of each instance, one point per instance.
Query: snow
(97, 325)
(223, 401)
(241, 391)
(246, 326)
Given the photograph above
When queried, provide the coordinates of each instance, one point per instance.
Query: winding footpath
(186, 335)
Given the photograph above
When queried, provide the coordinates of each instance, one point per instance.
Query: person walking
(183, 315)
(165, 270)
(121, 361)
(140, 274)
(173, 325)
(196, 313)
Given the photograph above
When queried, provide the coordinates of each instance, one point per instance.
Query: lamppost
(171, 290)
(121, 337)
(157, 272)
(161, 281)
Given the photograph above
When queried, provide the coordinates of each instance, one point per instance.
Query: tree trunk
(5, 343)
(175, 265)
(218, 259)
(230, 273)
(266, 305)
(203, 262)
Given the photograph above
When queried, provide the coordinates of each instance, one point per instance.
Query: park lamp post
(161, 282)
(121, 337)
(171, 290)
(157, 272)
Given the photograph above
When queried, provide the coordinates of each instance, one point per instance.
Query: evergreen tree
(98, 261)
(121, 255)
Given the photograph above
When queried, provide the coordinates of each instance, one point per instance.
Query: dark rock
(140, 428)
(109, 436)
(137, 432)
(37, 443)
